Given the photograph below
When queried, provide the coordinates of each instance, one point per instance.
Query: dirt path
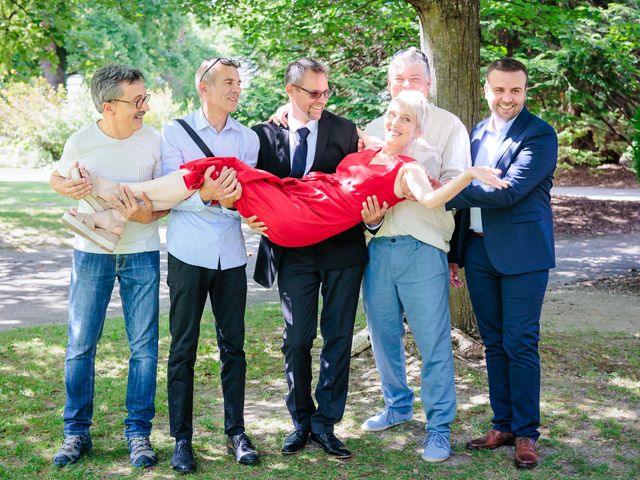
(34, 285)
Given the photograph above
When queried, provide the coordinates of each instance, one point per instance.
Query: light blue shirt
(294, 140)
(486, 155)
(199, 233)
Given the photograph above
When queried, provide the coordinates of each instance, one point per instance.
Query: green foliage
(38, 117)
(80, 36)
(584, 67)
(635, 147)
(353, 38)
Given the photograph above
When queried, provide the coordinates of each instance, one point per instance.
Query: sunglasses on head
(229, 62)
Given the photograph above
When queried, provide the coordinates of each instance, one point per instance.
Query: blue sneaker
(73, 447)
(141, 452)
(437, 447)
(384, 419)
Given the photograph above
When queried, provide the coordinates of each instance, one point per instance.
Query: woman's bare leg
(165, 192)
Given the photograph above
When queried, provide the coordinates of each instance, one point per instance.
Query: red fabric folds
(300, 212)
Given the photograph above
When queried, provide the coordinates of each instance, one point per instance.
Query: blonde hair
(415, 104)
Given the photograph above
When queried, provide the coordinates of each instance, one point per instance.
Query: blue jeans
(92, 279)
(407, 275)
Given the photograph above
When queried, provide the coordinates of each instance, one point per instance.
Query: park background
(584, 66)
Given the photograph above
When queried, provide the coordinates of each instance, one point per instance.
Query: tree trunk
(450, 37)
(54, 73)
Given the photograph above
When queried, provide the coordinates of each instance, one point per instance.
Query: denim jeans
(405, 275)
(92, 279)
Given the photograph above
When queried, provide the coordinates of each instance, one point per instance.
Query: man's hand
(160, 214)
(75, 188)
(367, 141)
(219, 188)
(233, 197)
(436, 183)
(129, 206)
(257, 225)
(281, 117)
(371, 212)
(406, 191)
(454, 279)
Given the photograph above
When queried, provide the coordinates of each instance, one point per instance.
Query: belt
(477, 234)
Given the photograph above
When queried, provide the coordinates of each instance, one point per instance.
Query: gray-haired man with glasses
(207, 258)
(315, 140)
(118, 147)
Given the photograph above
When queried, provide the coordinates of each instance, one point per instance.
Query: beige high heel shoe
(84, 225)
(101, 191)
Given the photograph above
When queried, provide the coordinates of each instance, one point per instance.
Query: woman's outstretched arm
(420, 187)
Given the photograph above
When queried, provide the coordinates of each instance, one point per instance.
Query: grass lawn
(591, 398)
(30, 214)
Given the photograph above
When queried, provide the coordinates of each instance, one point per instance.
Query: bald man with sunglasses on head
(207, 259)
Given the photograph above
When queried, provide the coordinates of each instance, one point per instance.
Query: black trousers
(300, 280)
(189, 287)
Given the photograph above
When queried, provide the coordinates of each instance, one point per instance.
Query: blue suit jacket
(517, 221)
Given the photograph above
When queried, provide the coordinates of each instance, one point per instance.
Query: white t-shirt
(443, 150)
(133, 159)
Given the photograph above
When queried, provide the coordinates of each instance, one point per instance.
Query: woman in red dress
(297, 212)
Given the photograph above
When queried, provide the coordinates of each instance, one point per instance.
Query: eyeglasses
(138, 103)
(316, 94)
(229, 62)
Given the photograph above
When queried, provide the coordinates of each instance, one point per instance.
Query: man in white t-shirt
(121, 148)
(407, 274)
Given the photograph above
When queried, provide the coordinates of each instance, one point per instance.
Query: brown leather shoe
(493, 439)
(526, 455)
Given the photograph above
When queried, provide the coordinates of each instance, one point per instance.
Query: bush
(635, 145)
(38, 119)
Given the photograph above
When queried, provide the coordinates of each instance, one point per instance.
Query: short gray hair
(415, 103)
(106, 83)
(408, 56)
(297, 69)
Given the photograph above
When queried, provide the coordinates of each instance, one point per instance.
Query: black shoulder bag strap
(196, 138)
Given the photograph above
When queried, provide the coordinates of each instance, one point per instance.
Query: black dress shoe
(244, 451)
(182, 460)
(294, 442)
(331, 444)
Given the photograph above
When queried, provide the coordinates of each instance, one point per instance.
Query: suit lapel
(476, 139)
(283, 155)
(513, 136)
(324, 129)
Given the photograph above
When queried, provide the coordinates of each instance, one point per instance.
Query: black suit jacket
(337, 137)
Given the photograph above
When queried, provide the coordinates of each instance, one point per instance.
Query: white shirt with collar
(294, 140)
(494, 134)
(443, 150)
(200, 233)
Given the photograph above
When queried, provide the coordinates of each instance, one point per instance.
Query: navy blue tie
(299, 164)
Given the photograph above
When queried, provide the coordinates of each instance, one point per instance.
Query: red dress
(304, 211)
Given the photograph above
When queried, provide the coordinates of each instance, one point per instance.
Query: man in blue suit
(505, 243)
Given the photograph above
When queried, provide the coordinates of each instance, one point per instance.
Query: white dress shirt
(199, 233)
(294, 140)
(443, 150)
(491, 140)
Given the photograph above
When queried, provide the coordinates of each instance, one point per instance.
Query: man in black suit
(315, 140)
